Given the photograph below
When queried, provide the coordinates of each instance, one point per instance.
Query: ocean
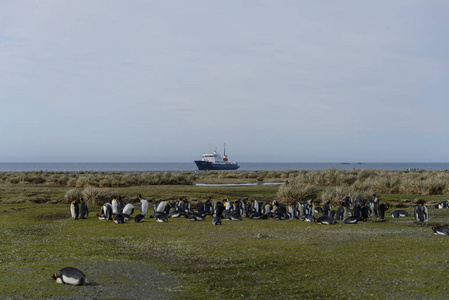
(191, 167)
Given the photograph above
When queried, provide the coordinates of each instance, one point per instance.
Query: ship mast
(225, 158)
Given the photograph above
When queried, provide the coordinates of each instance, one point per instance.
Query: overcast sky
(277, 81)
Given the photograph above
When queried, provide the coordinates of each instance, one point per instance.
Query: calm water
(191, 167)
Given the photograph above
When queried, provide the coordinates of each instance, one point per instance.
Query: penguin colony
(349, 211)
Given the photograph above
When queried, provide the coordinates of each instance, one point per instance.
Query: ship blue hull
(206, 165)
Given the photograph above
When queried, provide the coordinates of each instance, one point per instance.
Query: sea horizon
(191, 167)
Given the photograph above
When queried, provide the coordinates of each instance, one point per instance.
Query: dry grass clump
(380, 181)
(71, 195)
(96, 196)
(85, 179)
(336, 193)
(296, 192)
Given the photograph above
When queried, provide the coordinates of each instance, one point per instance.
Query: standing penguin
(70, 275)
(327, 208)
(143, 205)
(421, 213)
(255, 206)
(365, 212)
(341, 212)
(115, 206)
(74, 210)
(291, 211)
(209, 206)
(84, 211)
(348, 202)
(375, 205)
(309, 207)
(381, 210)
(357, 210)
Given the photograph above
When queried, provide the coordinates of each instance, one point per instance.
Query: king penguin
(327, 208)
(162, 217)
(84, 211)
(341, 212)
(399, 214)
(70, 275)
(326, 220)
(74, 210)
(421, 213)
(216, 221)
(353, 220)
(119, 219)
(139, 218)
(441, 230)
(308, 218)
(381, 210)
(128, 209)
(114, 206)
(143, 205)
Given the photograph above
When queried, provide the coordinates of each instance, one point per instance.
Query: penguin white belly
(70, 280)
(128, 209)
(72, 211)
(144, 207)
(114, 207)
(161, 206)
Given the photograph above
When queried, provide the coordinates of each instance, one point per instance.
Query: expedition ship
(214, 161)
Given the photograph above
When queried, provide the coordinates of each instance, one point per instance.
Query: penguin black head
(139, 196)
(421, 202)
(54, 277)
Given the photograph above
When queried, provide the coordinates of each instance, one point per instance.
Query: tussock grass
(288, 193)
(96, 196)
(381, 181)
(72, 195)
(96, 179)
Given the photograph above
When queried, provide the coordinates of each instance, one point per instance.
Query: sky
(277, 81)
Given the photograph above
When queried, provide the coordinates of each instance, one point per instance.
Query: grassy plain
(264, 259)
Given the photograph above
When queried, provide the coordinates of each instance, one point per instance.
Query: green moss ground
(265, 259)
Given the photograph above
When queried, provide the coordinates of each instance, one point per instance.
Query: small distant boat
(214, 161)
